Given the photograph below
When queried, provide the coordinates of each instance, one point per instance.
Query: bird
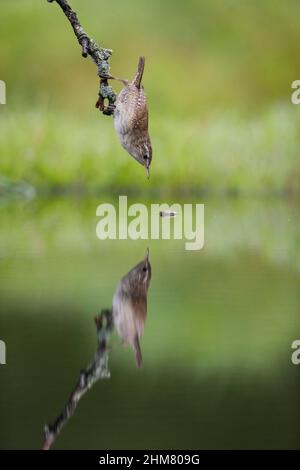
(129, 306)
(131, 119)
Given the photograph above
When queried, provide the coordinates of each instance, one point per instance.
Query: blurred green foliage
(218, 78)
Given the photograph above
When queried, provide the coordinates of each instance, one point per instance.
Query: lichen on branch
(99, 55)
(97, 369)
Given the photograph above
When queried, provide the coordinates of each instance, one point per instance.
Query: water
(217, 342)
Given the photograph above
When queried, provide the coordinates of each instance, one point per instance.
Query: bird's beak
(148, 171)
(147, 255)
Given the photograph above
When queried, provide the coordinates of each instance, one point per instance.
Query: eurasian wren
(131, 119)
(130, 306)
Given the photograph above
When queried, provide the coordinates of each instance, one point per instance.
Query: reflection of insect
(131, 119)
(167, 214)
(130, 306)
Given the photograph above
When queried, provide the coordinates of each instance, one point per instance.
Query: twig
(97, 369)
(99, 55)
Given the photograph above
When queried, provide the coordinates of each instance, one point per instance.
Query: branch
(99, 55)
(97, 369)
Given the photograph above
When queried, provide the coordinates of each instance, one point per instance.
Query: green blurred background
(217, 345)
(218, 79)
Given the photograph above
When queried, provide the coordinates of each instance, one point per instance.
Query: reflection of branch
(97, 369)
(99, 55)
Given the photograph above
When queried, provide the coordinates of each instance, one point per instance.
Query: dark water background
(217, 344)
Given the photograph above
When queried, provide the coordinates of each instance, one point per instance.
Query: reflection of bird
(131, 119)
(130, 306)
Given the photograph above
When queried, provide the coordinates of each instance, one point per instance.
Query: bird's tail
(137, 352)
(139, 74)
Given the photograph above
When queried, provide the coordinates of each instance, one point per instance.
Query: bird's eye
(144, 269)
(145, 157)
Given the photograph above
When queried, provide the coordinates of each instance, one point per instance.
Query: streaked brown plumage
(130, 306)
(131, 119)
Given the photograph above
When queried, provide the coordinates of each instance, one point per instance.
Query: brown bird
(130, 306)
(131, 119)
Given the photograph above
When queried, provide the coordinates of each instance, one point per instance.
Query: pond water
(217, 370)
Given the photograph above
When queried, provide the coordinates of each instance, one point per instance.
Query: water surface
(217, 343)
